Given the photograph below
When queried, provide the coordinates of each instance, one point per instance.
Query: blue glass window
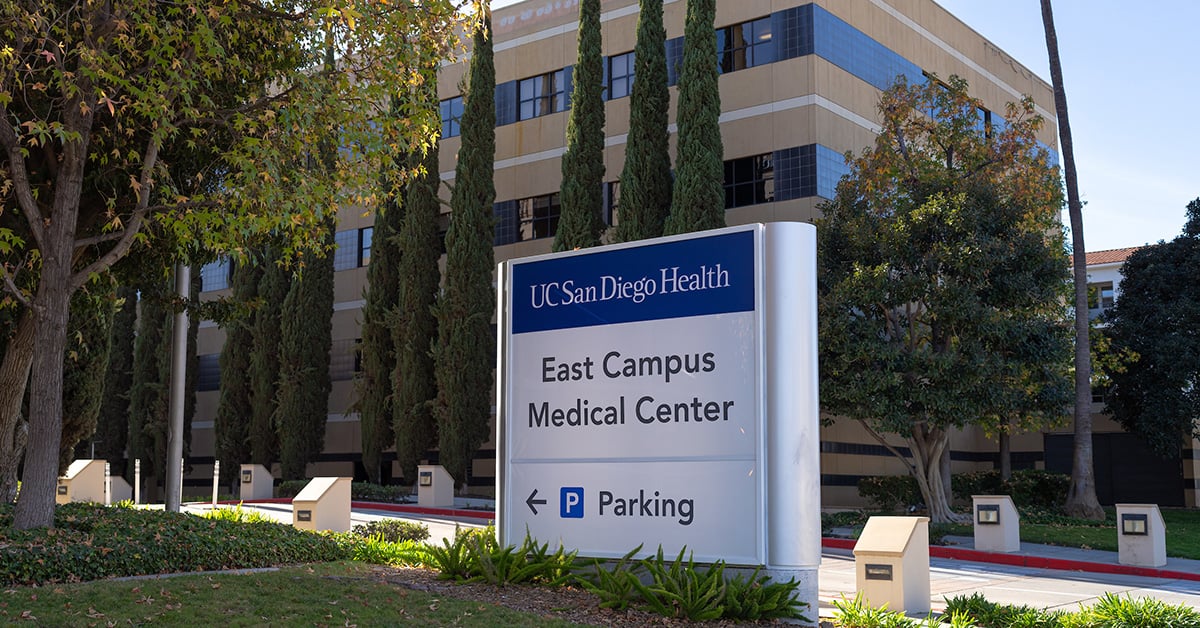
(620, 76)
(745, 45)
(850, 49)
(215, 275)
(674, 60)
(506, 103)
(541, 95)
(506, 222)
(831, 167)
(208, 372)
(353, 248)
(451, 110)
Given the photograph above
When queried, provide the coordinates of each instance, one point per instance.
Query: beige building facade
(799, 86)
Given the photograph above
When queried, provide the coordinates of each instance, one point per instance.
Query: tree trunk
(1081, 498)
(14, 431)
(927, 446)
(35, 507)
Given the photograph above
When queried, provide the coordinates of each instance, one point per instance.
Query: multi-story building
(799, 85)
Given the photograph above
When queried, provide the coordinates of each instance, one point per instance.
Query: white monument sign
(664, 393)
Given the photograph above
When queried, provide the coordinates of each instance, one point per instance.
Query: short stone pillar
(256, 482)
(997, 524)
(1141, 535)
(323, 504)
(84, 482)
(435, 487)
(118, 490)
(891, 559)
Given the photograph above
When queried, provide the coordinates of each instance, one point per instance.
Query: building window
(343, 359)
(541, 95)
(215, 275)
(1101, 297)
(612, 200)
(353, 248)
(745, 45)
(208, 372)
(620, 75)
(749, 180)
(538, 217)
(452, 110)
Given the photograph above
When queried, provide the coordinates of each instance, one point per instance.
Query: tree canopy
(1156, 394)
(942, 277)
(199, 117)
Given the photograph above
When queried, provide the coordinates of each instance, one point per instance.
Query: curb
(466, 513)
(1037, 562)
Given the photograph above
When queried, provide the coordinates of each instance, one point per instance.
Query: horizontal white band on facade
(811, 100)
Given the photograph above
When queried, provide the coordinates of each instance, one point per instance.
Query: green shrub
(90, 542)
(1029, 488)
(755, 597)
(614, 583)
(399, 554)
(679, 589)
(1114, 611)
(393, 530)
(359, 491)
(890, 492)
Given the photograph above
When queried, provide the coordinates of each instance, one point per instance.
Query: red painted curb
(483, 515)
(1038, 562)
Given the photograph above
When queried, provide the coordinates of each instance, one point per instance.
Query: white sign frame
(784, 476)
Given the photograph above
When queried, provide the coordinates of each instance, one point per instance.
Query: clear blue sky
(1132, 86)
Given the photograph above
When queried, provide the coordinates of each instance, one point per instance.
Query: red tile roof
(1112, 256)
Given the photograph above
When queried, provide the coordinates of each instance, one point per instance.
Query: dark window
(674, 60)
(215, 275)
(541, 95)
(538, 217)
(452, 110)
(208, 372)
(620, 76)
(749, 180)
(745, 45)
(612, 200)
(364, 245)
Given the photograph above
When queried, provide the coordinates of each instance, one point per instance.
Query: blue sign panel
(695, 277)
(570, 502)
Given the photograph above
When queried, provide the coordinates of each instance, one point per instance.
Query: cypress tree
(305, 342)
(414, 383)
(232, 422)
(84, 364)
(580, 222)
(273, 288)
(148, 396)
(646, 176)
(698, 199)
(465, 354)
(112, 429)
(374, 381)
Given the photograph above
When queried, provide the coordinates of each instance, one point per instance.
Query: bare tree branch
(20, 177)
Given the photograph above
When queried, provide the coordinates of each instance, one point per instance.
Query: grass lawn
(1183, 533)
(328, 594)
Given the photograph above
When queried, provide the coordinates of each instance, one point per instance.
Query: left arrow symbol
(531, 501)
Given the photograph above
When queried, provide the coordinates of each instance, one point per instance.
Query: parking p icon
(570, 502)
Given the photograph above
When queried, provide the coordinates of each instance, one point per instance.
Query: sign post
(664, 393)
